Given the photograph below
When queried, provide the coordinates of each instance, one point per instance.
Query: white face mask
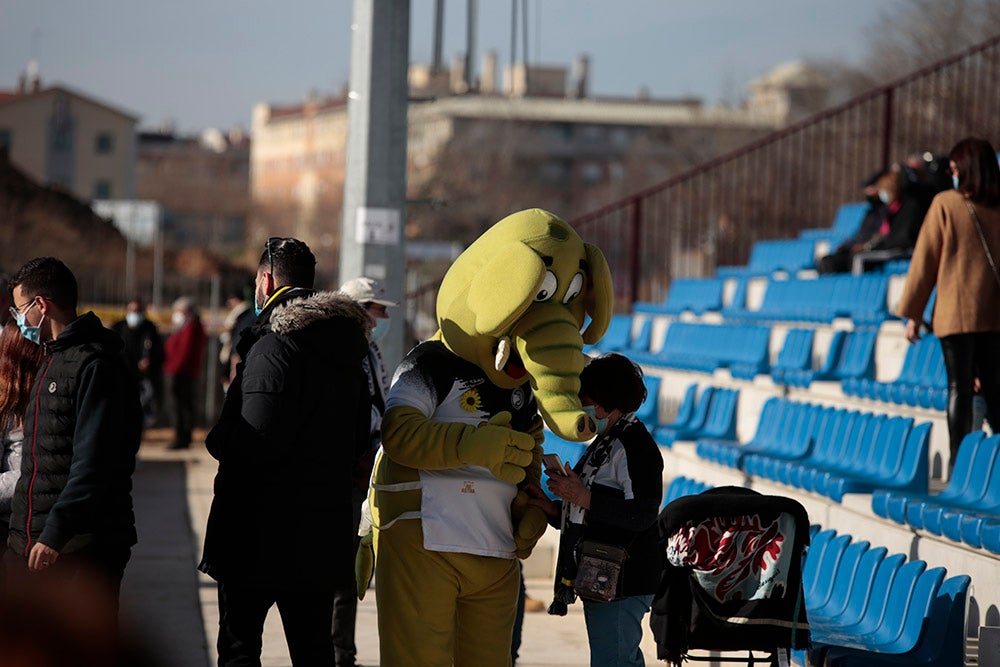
(133, 319)
(178, 319)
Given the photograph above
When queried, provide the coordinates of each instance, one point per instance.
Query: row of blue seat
(769, 256)
(862, 298)
(869, 608)
(706, 347)
(851, 354)
(710, 415)
(697, 295)
(846, 223)
(922, 381)
(829, 451)
(967, 510)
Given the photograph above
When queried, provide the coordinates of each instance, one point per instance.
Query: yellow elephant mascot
(462, 429)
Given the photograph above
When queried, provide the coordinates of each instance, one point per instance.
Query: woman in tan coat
(951, 254)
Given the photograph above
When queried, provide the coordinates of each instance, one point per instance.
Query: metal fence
(792, 180)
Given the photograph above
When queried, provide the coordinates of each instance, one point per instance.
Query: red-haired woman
(19, 362)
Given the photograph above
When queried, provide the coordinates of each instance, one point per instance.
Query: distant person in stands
(19, 362)
(958, 248)
(611, 497)
(185, 354)
(144, 354)
(889, 231)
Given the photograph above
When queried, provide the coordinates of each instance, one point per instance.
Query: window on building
(104, 143)
(6, 137)
(102, 189)
(61, 139)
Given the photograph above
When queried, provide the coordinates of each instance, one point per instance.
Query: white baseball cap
(366, 290)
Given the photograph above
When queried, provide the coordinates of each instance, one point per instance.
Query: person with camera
(606, 512)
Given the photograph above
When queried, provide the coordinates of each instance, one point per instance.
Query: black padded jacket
(82, 430)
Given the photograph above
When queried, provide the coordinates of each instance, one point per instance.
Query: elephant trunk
(550, 345)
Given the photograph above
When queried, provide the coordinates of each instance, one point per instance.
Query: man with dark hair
(295, 417)
(72, 509)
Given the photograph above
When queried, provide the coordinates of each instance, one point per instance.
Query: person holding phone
(610, 497)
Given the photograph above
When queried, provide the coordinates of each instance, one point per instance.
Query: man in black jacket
(72, 507)
(296, 415)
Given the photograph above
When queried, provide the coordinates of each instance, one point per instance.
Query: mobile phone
(553, 465)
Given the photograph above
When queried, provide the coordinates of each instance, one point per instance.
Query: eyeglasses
(16, 312)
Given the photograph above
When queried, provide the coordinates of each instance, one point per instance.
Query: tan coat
(949, 254)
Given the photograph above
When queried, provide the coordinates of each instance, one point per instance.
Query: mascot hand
(496, 446)
(529, 525)
(364, 564)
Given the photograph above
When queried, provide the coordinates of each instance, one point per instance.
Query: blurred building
(68, 139)
(532, 137)
(202, 183)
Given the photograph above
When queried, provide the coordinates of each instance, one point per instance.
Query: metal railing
(793, 179)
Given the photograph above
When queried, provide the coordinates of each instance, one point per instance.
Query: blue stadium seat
(845, 225)
(795, 355)
(698, 295)
(649, 412)
(894, 504)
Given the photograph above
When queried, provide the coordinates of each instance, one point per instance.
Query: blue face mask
(884, 197)
(380, 329)
(954, 181)
(32, 333)
(602, 423)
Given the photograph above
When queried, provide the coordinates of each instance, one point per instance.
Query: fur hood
(297, 314)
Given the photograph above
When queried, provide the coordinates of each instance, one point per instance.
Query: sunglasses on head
(272, 245)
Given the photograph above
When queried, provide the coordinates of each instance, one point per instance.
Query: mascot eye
(575, 287)
(548, 288)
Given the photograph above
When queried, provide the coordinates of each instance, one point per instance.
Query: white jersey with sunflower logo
(466, 509)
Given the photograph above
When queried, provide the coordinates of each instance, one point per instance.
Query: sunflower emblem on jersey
(470, 401)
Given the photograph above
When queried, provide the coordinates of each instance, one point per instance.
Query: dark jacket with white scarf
(293, 420)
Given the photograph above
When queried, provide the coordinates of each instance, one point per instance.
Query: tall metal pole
(375, 184)
(438, 36)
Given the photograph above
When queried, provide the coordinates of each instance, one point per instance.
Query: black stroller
(732, 579)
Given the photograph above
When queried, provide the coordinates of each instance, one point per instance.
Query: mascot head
(514, 304)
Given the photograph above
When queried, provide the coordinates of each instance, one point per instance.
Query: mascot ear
(504, 287)
(600, 297)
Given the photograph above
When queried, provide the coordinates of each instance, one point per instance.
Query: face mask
(178, 318)
(257, 296)
(602, 423)
(32, 333)
(380, 329)
(133, 319)
(884, 196)
(954, 181)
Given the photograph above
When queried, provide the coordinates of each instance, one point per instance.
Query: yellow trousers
(437, 609)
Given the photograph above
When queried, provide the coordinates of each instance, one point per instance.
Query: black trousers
(345, 601)
(968, 356)
(182, 389)
(306, 616)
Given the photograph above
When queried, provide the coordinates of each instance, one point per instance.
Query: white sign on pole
(377, 225)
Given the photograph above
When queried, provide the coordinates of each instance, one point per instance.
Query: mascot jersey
(465, 509)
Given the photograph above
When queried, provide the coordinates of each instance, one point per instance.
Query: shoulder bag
(599, 571)
(982, 237)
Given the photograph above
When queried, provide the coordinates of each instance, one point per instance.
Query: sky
(205, 63)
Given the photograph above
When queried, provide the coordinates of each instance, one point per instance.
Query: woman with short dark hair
(610, 498)
(957, 251)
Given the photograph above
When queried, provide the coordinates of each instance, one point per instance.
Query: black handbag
(599, 571)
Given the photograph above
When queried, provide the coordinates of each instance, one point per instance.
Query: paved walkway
(174, 606)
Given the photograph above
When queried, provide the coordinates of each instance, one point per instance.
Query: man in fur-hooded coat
(280, 530)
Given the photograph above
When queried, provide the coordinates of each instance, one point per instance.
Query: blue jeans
(614, 630)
